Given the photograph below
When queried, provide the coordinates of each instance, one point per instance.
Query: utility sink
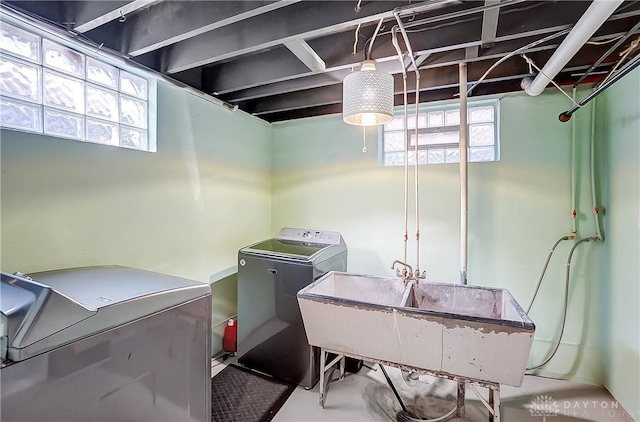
(480, 333)
(350, 288)
(469, 302)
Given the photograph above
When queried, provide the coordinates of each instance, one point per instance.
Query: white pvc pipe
(415, 67)
(416, 181)
(464, 178)
(396, 45)
(574, 212)
(592, 170)
(591, 20)
(406, 167)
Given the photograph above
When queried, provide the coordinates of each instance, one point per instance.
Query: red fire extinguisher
(230, 338)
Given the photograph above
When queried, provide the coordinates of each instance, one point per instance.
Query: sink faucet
(406, 275)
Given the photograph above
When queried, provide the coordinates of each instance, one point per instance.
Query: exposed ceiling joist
(253, 70)
(178, 21)
(444, 86)
(472, 52)
(283, 59)
(291, 85)
(419, 60)
(430, 79)
(550, 17)
(239, 75)
(489, 24)
(454, 49)
(303, 20)
(306, 54)
(90, 15)
(336, 76)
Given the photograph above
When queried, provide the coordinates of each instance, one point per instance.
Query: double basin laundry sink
(473, 332)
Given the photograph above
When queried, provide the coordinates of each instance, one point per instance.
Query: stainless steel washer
(104, 344)
(271, 336)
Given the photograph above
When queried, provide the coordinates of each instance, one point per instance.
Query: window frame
(88, 53)
(442, 107)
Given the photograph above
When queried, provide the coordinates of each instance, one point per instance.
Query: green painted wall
(185, 210)
(619, 126)
(518, 207)
(222, 180)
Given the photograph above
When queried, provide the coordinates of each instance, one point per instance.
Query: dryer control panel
(308, 235)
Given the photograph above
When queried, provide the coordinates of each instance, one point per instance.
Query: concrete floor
(365, 396)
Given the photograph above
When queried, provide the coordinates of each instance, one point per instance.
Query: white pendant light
(367, 96)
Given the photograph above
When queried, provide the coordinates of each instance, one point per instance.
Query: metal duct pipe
(593, 18)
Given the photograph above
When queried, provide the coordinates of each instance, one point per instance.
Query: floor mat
(238, 394)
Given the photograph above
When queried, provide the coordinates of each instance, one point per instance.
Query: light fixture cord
(364, 139)
(373, 38)
(355, 41)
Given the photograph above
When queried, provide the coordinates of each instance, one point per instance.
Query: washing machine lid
(299, 244)
(46, 310)
(286, 247)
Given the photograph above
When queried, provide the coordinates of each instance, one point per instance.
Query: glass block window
(439, 135)
(47, 87)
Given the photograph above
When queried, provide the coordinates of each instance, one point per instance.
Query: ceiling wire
(609, 41)
(383, 32)
(442, 25)
(446, 24)
(622, 39)
(476, 12)
(513, 53)
(625, 53)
